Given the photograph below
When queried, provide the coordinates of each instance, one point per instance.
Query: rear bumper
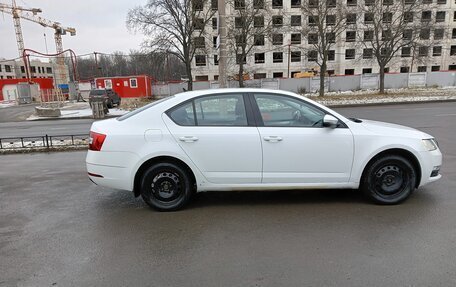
(111, 169)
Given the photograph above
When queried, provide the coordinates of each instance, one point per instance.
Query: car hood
(389, 129)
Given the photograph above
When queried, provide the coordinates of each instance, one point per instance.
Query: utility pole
(289, 59)
(222, 43)
(97, 72)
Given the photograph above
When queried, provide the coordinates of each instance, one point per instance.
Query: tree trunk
(382, 79)
(241, 74)
(190, 78)
(321, 92)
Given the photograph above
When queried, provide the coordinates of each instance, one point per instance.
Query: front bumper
(430, 161)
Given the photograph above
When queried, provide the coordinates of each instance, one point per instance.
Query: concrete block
(47, 112)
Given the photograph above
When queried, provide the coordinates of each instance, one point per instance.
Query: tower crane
(31, 15)
(17, 12)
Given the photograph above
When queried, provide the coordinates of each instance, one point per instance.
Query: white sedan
(240, 139)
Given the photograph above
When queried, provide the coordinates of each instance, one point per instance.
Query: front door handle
(273, 139)
(188, 139)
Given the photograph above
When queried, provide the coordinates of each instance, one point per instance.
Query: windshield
(137, 111)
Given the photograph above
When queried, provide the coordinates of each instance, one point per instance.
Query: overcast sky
(100, 26)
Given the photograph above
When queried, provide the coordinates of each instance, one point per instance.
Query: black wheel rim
(390, 180)
(166, 186)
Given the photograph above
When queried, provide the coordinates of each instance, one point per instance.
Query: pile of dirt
(130, 104)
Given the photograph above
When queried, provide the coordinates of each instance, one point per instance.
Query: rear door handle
(273, 139)
(188, 139)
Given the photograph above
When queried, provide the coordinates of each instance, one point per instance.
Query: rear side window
(226, 110)
(183, 115)
(218, 110)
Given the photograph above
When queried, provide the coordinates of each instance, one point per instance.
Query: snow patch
(7, 104)
(78, 113)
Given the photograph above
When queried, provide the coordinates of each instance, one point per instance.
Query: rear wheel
(166, 187)
(389, 180)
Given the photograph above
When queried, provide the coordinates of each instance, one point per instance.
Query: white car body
(252, 157)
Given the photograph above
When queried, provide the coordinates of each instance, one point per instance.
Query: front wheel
(166, 187)
(389, 180)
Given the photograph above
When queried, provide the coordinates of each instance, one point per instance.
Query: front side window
(282, 111)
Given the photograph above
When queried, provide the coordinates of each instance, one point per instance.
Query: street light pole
(222, 43)
(289, 59)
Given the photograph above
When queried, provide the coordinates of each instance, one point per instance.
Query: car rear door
(296, 146)
(219, 136)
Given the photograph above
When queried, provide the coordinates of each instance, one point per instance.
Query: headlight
(430, 144)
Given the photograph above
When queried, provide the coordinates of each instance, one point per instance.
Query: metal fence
(44, 142)
(332, 84)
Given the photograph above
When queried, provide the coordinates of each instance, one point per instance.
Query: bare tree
(252, 23)
(160, 66)
(392, 26)
(325, 23)
(172, 26)
(119, 63)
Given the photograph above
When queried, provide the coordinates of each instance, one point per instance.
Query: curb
(42, 149)
(72, 118)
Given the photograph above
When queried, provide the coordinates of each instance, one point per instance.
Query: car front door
(296, 146)
(219, 137)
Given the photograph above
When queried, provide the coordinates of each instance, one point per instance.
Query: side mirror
(330, 121)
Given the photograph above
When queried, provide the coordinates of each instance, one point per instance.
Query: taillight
(96, 141)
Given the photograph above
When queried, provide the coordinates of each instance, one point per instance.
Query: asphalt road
(16, 113)
(58, 229)
(405, 114)
(49, 127)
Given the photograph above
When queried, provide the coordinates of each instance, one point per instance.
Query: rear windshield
(137, 111)
(97, 92)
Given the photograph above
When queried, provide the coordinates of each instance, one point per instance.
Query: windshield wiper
(355, 120)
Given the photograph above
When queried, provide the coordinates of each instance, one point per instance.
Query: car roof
(192, 94)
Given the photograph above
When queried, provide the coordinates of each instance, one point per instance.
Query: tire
(166, 187)
(110, 104)
(389, 180)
